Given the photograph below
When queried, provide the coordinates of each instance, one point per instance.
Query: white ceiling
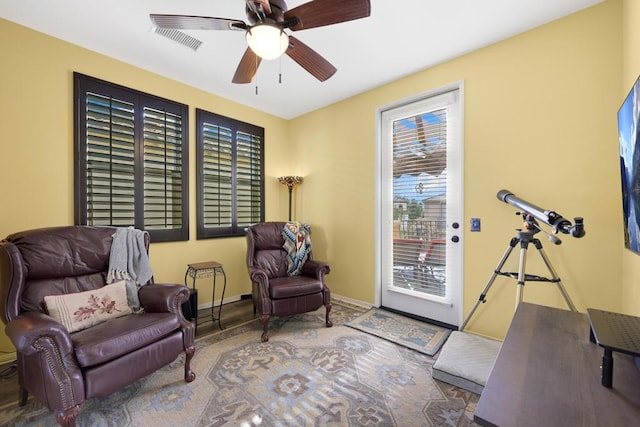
(400, 37)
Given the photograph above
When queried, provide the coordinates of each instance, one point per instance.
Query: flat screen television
(629, 139)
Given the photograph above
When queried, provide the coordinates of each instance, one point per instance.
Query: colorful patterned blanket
(297, 243)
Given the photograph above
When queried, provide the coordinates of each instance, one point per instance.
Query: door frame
(458, 298)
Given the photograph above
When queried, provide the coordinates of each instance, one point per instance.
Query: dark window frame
(142, 102)
(236, 227)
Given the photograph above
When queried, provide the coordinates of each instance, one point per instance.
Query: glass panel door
(421, 193)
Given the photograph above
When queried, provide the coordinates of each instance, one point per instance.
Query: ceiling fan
(266, 34)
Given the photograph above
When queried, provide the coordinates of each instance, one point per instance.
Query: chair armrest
(313, 268)
(259, 276)
(25, 330)
(260, 291)
(50, 369)
(168, 298)
(163, 298)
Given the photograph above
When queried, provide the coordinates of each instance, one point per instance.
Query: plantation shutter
(110, 161)
(419, 201)
(131, 157)
(249, 178)
(230, 175)
(162, 170)
(217, 176)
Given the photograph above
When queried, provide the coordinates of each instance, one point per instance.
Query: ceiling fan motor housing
(278, 8)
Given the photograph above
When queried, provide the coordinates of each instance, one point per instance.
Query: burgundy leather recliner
(63, 369)
(274, 292)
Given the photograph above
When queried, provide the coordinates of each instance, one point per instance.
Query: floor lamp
(290, 182)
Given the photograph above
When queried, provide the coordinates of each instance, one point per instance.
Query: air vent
(178, 37)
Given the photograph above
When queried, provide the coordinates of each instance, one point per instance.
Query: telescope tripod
(524, 238)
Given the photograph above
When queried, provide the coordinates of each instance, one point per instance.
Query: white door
(421, 194)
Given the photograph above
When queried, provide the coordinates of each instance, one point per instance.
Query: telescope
(551, 218)
(531, 214)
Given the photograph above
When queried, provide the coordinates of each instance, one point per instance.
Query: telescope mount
(524, 237)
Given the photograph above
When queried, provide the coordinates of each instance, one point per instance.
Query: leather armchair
(274, 292)
(63, 369)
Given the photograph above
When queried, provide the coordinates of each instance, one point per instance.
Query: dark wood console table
(548, 374)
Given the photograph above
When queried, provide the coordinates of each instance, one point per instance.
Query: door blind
(419, 201)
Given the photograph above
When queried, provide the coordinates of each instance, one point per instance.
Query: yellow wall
(36, 148)
(630, 72)
(539, 120)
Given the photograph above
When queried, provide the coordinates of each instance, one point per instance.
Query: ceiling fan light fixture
(267, 41)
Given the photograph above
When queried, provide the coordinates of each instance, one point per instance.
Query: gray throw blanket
(129, 261)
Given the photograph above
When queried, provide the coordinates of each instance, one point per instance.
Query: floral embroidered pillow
(84, 309)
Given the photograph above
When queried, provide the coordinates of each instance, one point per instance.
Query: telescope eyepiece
(578, 228)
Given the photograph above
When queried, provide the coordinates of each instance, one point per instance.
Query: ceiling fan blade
(310, 60)
(318, 13)
(187, 22)
(247, 67)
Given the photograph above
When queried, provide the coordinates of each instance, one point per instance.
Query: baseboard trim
(350, 301)
(227, 300)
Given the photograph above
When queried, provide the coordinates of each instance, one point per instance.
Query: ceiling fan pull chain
(280, 70)
(256, 77)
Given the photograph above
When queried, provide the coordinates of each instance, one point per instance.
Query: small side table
(202, 269)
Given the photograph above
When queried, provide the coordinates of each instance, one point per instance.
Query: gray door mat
(466, 361)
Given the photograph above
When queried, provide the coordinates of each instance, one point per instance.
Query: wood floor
(233, 313)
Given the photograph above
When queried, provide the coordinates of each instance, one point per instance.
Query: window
(131, 164)
(230, 161)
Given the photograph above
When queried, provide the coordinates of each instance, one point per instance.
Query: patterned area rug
(420, 336)
(306, 375)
